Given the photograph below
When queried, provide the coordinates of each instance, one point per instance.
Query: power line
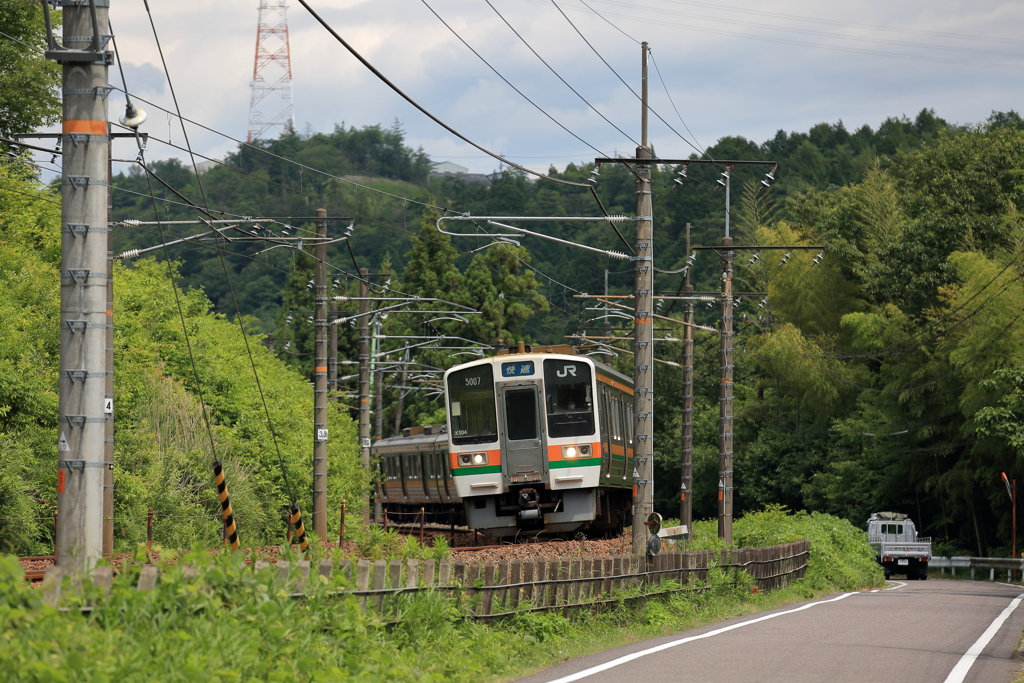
(823, 46)
(844, 23)
(426, 113)
(897, 349)
(508, 82)
(810, 32)
(227, 278)
(552, 70)
(243, 143)
(628, 86)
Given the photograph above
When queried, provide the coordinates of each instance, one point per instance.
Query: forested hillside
(889, 375)
(164, 448)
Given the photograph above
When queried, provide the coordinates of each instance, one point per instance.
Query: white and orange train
(537, 440)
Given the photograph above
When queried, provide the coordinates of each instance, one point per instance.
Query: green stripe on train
(585, 462)
(478, 469)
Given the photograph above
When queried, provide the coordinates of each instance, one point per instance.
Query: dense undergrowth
(235, 624)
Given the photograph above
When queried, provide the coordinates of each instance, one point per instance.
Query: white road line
(899, 584)
(959, 671)
(682, 641)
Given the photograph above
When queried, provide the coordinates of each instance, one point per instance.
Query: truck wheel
(922, 572)
(887, 574)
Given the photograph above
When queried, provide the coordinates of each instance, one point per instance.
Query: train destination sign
(523, 369)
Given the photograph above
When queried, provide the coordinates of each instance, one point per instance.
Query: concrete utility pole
(332, 352)
(364, 376)
(376, 378)
(725, 421)
(725, 416)
(108, 397)
(320, 380)
(82, 417)
(378, 403)
(686, 462)
(643, 340)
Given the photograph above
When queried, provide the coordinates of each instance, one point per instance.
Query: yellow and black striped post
(300, 529)
(230, 532)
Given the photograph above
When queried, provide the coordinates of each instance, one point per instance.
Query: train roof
(554, 350)
(415, 437)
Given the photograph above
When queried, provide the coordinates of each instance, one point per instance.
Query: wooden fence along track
(497, 589)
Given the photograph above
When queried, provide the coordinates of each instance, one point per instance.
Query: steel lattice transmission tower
(271, 104)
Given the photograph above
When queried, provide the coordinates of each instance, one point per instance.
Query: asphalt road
(919, 631)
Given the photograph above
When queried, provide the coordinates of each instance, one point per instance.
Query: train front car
(526, 443)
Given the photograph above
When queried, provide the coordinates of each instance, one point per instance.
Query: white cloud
(729, 72)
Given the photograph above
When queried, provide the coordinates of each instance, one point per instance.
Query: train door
(606, 433)
(447, 483)
(618, 442)
(522, 443)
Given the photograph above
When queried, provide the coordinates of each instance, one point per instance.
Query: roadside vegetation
(234, 624)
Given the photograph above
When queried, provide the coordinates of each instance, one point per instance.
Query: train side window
(629, 420)
(616, 419)
(606, 430)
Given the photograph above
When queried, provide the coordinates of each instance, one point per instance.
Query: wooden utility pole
(643, 338)
(364, 377)
(686, 461)
(81, 425)
(320, 380)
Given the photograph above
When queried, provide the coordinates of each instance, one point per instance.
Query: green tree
(29, 83)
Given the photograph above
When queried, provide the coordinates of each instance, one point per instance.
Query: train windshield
(471, 405)
(569, 398)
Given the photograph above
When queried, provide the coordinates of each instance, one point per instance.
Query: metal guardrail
(1007, 564)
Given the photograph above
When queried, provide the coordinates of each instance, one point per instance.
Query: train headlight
(582, 450)
(470, 459)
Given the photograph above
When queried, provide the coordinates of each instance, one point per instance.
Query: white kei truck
(897, 546)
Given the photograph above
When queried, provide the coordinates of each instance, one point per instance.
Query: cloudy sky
(737, 67)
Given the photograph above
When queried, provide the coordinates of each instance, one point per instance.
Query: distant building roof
(204, 166)
(447, 168)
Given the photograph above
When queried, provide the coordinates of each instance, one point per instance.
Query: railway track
(35, 566)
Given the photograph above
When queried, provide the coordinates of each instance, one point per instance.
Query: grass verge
(239, 625)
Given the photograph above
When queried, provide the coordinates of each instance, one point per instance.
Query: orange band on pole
(643, 321)
(90, 127)
(320, 368)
